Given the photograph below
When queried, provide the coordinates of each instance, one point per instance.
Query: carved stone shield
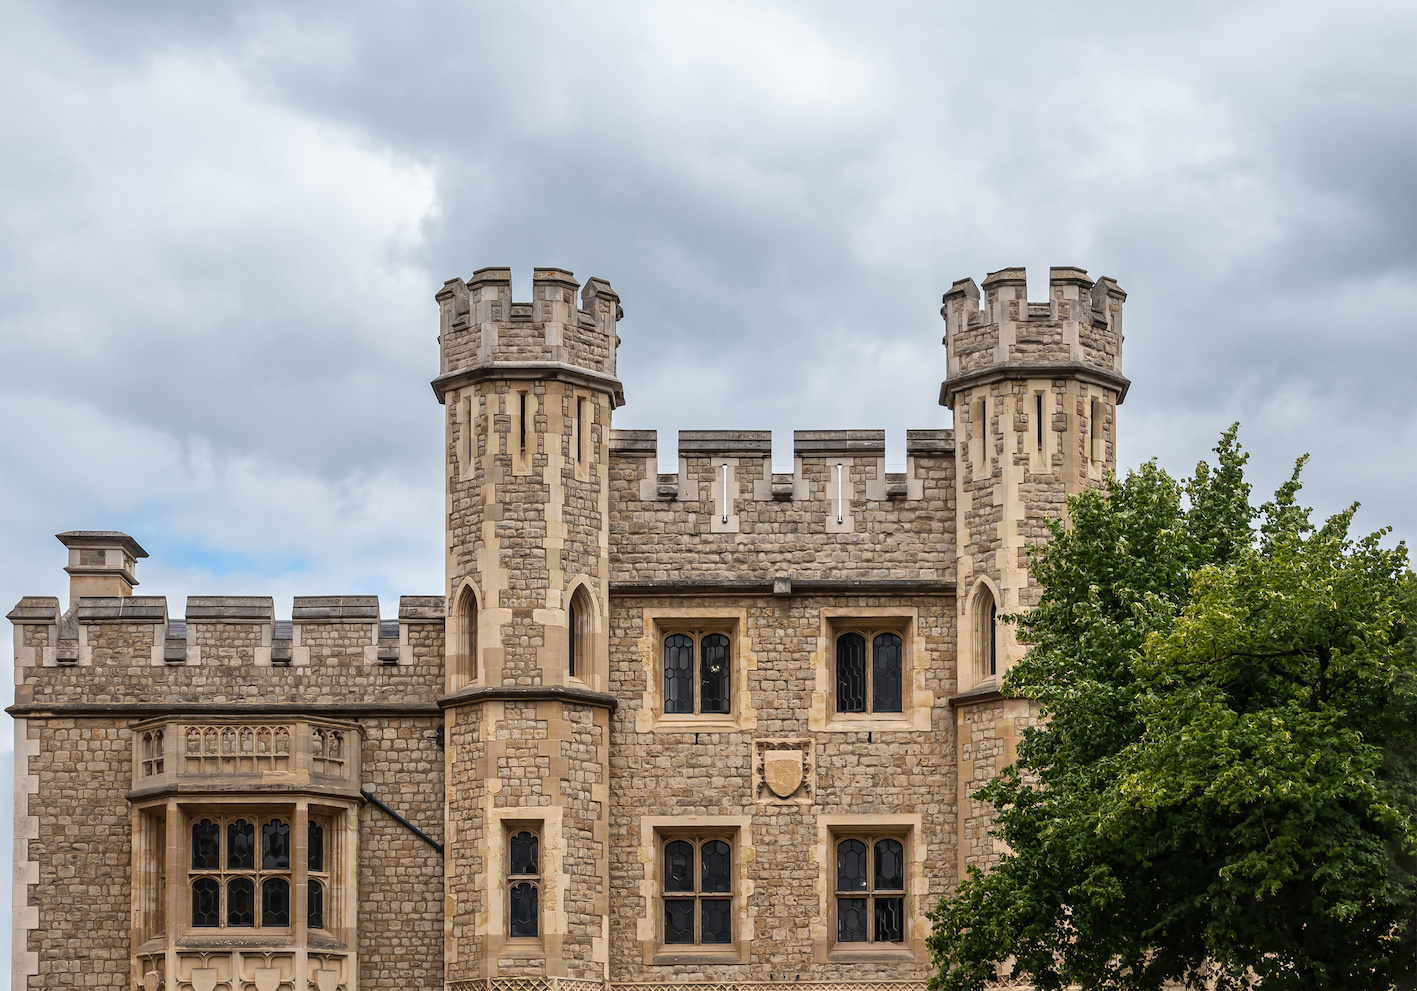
(327, 980)
(204, 978)
(782, 770)
(267, 978)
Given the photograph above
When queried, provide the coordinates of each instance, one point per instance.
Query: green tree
(1224, 783)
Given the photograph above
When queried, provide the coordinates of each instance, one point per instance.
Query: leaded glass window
(870, 889)
(239, 874)
(698, 890)
(698, 673)
(523, 883)
(877, 686)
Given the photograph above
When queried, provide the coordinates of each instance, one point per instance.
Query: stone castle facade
(713, 728)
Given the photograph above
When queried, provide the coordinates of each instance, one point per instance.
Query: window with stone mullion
(697, 673)
(877, 688)
(523, 883)
(870, 889)
(698, 891)
(239, 874)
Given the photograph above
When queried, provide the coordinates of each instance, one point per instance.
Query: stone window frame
(258, 875)
(655, 831)
(662, 621)
(909, 829)
(974, 659)
(917, 701)
(494, 919)
(162, 872)
(869, 633)
(870, 838)
(697, 840)
(511, 829)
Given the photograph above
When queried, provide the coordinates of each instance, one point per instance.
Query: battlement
(220, 630)
(1076, 331)
(484, 333)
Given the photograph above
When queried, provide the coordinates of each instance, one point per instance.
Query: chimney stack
(101, 562)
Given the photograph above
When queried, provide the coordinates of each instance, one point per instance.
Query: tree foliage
(1224, 784)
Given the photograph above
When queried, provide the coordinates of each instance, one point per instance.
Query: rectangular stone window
(867, 670)
(698, 878)
(870, 888)
(697, 669)
(523, 883)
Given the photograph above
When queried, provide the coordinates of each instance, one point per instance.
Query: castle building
(712, 728)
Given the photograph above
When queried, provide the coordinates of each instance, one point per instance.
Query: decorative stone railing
(227, 754)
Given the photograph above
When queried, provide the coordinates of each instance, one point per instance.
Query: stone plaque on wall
(784, 771)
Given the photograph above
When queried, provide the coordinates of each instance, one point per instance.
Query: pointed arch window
(579, 626)
(464, 666)
(986, 632)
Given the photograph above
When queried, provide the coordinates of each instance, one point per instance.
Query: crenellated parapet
(484, 333)
(1076, 331)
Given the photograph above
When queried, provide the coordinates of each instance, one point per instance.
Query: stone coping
(225, 607)
(101, 538)
(839, 443)
(729, 443)
(35, 609)
(122, 608)
(317, 608)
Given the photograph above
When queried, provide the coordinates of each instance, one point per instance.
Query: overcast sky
(223, 225)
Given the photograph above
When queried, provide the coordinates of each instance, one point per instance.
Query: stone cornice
(520, 371)
(143, 710)
(528, 693)
(1018, 370)
(791, 586)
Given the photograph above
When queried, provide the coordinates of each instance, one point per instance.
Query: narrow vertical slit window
(986, 632)
(464, 660)
(1094, 421)
(1038, 418)
(580, 432)
(580, 622)
(725, 493)
(521, 423)
(840, 513)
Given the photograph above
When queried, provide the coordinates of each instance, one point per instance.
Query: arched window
(579, 623)
(464, 666)
(986, 632)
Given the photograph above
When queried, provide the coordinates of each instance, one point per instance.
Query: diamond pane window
(240, 845)
(241, 902)
(523, 883)
(206, 902)
(206, 840)
(877, 686)
(230, 886)
(870, 885)
(885, 673)
(698, 673)
(850, 673)
(678, 673)
(698, 873)
(275, 902)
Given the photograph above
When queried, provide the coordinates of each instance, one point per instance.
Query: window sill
(888, 722)
(863, 952)
(688, 723)
(691, 956)
(522, 948)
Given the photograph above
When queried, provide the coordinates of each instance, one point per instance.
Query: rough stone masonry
(717, 727)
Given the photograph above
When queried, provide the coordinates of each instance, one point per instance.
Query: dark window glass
(851, 866)
(885, 673)
(275, 902)
(523, 909)
(315, 856)
(890, 866)
(717, 920)
(890, 920)
(678, 920)
(993, 639)
(275, 846)
(851, 673)
(713, 673)
(678, 673)
(241, 845)
(524, 853)
(851, 920)
(717, 859)
(206, 842)
(240, 902)
(206, 902)
(571, 633)
(678, 866)
(315, 900)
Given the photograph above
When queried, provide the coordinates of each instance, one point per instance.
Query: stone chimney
(101, 562)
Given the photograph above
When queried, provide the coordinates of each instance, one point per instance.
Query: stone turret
(529, 388)
(1034, 388)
